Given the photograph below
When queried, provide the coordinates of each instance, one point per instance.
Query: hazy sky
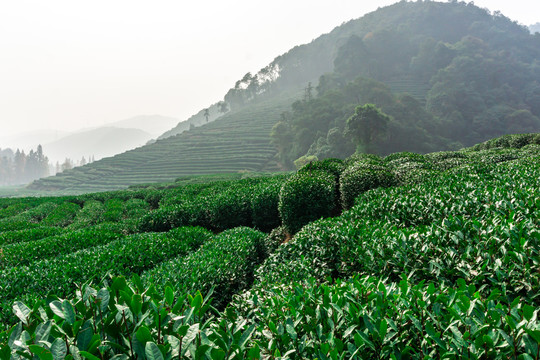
(68, 64)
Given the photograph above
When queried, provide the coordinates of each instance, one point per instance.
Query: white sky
(68, 64)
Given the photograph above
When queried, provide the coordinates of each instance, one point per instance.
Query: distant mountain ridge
(441, 37)
(97, 143)
(155, 125)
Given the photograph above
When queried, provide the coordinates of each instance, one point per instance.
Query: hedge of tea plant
(127, 256)
(444, 263)
(360, 178)
(225, 263)
(306, 197)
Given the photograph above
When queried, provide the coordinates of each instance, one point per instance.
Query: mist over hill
(98, 143)
(31, 139)
(154, 125)
(448, 75)
(535, 28)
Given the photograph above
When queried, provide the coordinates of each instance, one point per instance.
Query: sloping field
(239, 141)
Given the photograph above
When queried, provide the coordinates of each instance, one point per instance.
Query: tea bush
(60, 275)
(360, 178)
(62, 215)
(306, 197)
(225, 263)
(264, 206)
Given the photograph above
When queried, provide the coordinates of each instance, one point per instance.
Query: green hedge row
(219, 206)
(306, 197)
(371, 318)
(226, 264)
(492, 241)
(24, 253)
(20, 236)
(62, 274)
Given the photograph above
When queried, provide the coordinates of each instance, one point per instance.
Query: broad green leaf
(136, 279)
(169, 295)
(254, 352)
(528, 312)
(5, 353)
(433, 335)
(21, 311)
(218, 354)
(365, 339)
(15, 334)
(289, 327)
(104, 297)
(59, 349)
(201, 350)
(56, 307)
(42, 331)
(69, 312)
(136, 304)
(190, 336)
(535, 334)
(197, 301)
(88, 356)
(41, 352)
(383, 328)
(245, 337)
(85, 335)
(143, 335)
(152, 351)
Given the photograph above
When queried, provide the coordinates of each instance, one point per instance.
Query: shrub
(305, 198)
(303, 160)
(153, 197)
(331, 166)
(360, 178)
(63, 215)
(39, 212)
(364, 158)
(90, 214)
(25, 235)
(60, 275)
(230, 208)
(225, 263)
(159, 220)
(404, 154)
(264, 206)
(114, 210)
(334, 167)
(12, 210)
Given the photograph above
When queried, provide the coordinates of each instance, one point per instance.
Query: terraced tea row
(238, 141)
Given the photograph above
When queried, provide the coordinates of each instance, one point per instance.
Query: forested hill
(470, 75)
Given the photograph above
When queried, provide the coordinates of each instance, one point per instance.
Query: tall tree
(366, 125)
(206, 114)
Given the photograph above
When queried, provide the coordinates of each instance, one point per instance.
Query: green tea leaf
(41, 352)
(59, 349)
(21, 311)
(152, 351)
(69, 312)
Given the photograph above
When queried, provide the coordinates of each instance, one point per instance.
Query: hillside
(470, 76)
(405, 256)
(31, 139)
(99, 143)
(239, 141)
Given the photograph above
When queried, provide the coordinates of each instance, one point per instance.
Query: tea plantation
(410, 256)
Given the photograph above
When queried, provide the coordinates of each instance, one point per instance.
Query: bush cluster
(306, 197)
(361, 178)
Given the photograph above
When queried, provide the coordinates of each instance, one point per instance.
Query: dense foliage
(439, 266)
(448, 74)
